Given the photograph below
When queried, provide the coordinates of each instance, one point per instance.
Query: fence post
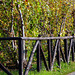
(38, 57)
(49, 53)
(73, 49)
(66, 49)
(73, 52)
(20, 57)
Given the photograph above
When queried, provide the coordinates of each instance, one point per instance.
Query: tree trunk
(22, 29)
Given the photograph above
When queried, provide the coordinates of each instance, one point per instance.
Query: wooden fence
(38, 47)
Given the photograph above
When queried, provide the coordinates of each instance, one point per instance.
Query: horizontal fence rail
(46, 38)
(10, 38)
(36, 38)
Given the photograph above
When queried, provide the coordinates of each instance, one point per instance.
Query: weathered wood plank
(30, 59)
(70, 49)
(46, 38)
(54, 54)
(36, 38)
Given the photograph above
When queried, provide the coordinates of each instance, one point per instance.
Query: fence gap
(43, 56)
(63, 57)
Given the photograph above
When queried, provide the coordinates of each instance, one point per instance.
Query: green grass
(65, 69)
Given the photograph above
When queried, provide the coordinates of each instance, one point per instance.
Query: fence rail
(36, 38)
(46, 38)
(38, 47)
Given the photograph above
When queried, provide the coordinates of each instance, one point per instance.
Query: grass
(65, 69)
